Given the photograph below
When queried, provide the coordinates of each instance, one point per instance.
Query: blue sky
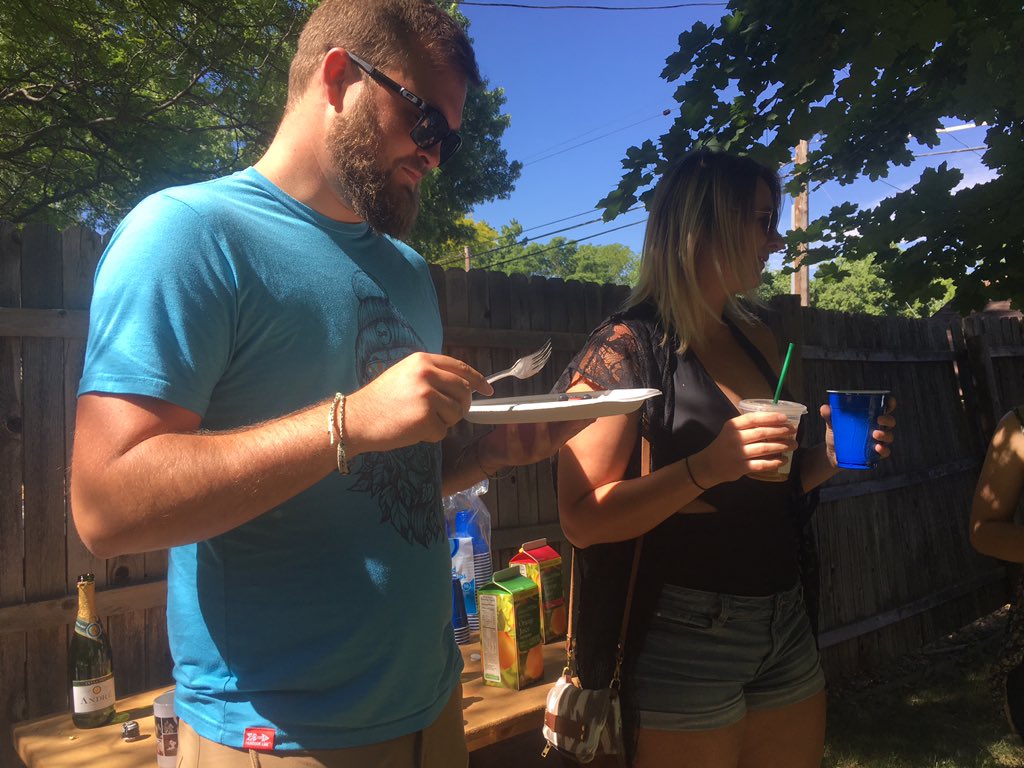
(582, 86)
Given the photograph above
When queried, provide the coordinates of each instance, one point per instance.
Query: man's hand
(416, 400)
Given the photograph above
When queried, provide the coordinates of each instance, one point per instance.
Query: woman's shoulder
(1012, 422)
(635, 325)
(1016, 414)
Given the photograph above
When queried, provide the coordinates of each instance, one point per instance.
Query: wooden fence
(897, 569)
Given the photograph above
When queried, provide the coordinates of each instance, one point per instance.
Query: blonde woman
(995, 532)
(722, 667)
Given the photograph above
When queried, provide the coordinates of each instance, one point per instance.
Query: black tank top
(747, 546)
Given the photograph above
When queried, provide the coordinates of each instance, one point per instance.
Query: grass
(936, 712)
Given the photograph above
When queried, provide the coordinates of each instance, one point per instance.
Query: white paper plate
(557, 407)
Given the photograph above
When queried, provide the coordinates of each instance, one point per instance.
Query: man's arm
(509, 445)
(144, 477)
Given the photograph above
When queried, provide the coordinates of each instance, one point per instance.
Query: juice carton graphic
(509, 607)
(543, 565)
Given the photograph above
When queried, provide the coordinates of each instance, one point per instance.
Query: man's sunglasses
(432, 127)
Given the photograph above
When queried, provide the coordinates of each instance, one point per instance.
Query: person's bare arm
(144, 477)
(1000, 484)
(597, 505)
(508, 445)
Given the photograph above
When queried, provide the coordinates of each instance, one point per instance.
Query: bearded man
(264, 395)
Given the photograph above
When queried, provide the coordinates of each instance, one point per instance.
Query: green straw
(782, 376)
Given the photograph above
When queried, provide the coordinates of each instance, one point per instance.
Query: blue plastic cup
(460, 622)
(854, 417)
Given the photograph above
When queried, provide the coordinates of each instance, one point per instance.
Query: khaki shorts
(442, 744)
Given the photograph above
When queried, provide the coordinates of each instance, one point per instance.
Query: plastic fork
(526, 366)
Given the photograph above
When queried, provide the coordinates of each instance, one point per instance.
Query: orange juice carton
(543, 565)
(513, 654)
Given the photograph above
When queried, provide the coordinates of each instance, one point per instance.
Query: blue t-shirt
(328, 618)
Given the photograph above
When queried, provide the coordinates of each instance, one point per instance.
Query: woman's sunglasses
(432, 127)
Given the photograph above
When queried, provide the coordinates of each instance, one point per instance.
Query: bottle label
(93, 695)
(91, 629)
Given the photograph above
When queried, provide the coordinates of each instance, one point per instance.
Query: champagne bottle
(90, 664)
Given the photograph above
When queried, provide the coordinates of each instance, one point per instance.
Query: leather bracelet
(690, 473)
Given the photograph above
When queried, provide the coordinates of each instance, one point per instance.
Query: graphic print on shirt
(403, 481)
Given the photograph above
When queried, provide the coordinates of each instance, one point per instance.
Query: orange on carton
(510, 639)
(543, 565)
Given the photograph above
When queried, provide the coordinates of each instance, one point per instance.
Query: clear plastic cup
(794, 412)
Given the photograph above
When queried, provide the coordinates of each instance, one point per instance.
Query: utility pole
(465, 256)
(801, 218)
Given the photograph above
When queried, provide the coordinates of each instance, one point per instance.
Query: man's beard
(355, 145)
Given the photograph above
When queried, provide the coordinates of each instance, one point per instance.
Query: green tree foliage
(774, 284)
(611, 263)
(510, 252)
(860, 286)
(105, 101)
(477, 236)
(865, 79)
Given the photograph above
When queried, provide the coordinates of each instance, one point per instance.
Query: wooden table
(490, 715)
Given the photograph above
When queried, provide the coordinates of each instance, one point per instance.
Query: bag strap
(620, 648)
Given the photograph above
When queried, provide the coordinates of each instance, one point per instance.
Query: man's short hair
(385, 32)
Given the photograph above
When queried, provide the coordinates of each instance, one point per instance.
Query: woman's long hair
(705, 199)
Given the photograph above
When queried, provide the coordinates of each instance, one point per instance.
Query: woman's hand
(752, 442)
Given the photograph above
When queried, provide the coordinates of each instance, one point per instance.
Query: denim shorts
(710, 657)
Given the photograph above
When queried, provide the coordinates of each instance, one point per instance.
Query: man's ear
(337, 73)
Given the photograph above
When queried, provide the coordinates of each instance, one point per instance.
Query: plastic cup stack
(466, 525)
(459, 622)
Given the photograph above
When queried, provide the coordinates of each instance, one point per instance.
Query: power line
(533, 157)
(949, 151)
(663, 113)
(526, 240)
(562, 245)
(592, 7)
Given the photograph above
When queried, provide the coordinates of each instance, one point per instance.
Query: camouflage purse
(586, 723)
(582, 723)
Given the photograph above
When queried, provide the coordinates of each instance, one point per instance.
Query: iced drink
(793, 413)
